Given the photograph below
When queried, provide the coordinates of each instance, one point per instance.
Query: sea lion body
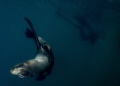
(43, 62)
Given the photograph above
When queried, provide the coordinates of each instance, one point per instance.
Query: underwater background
(84, 36)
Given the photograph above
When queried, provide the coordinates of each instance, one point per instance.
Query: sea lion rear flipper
(29, 33)
(32, 34)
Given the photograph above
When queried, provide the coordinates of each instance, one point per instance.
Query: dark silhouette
(90, 35)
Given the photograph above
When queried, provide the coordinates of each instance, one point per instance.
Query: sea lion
(43, 62)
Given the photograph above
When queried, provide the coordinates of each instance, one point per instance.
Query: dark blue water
(84, 36)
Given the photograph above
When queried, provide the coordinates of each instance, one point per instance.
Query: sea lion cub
(42, 65)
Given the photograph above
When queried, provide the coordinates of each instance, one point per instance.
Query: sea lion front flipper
(41, 77)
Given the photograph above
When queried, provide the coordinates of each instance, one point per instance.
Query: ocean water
(84, 36)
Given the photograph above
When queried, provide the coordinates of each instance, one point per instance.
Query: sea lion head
(21, 70)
